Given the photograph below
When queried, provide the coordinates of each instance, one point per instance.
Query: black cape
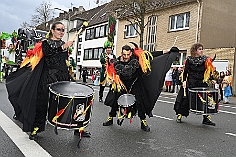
(153, 83)
(22, 93)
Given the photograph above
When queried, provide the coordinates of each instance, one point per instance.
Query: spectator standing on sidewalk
(178, 80)
(174, 78)
(168, 81)
(85, 75)
(104, 59)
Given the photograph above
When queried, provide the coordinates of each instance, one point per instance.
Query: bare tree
(25, 25)
(44, 13)
(134, 12)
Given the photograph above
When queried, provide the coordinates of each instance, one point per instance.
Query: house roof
(126, 8)
(96, 15)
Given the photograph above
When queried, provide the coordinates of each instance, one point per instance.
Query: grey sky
(14, 12)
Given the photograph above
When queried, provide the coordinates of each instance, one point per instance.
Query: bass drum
(203, 100)
(70, 104)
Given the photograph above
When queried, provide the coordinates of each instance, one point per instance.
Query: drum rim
(68, 96)
(123, 96)
(201, 91)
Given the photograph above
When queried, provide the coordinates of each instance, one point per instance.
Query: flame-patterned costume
(142, 75)
(197, 72)
(28, 87)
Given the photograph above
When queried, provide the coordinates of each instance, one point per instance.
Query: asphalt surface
(166, 138)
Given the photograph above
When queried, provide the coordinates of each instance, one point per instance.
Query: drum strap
(131, 86)
(59, 113)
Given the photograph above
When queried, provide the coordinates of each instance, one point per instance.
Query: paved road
(166, 139)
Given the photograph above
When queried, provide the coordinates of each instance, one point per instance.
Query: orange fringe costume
(144, 61)
(33, 56)
(209, 69)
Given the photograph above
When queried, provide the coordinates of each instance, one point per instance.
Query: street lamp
(68, 22)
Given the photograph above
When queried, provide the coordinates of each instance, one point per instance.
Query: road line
(228, 106)
(28, 147)
(219, 110)
(162, 117)
(166, 97)
(227, 112)
(231, 134)
(165, 101)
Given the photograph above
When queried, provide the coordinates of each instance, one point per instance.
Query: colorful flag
(112, 28)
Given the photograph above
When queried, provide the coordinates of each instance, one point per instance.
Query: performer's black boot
(178, 119)
(109, 121)
(33, 134)
(100, 100)
(144, 125)
(14, 117)
(84, 133)
(207, 120)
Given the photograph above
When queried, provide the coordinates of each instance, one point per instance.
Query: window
(179, 60)
(75, 23)
(131, 30)
(151, 36)
(89, 34)
(106, 30)
(100, 31)
(92, 54)
(180, 21)
(79, 52)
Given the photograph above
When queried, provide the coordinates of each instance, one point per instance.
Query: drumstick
(184, 92)
(85, 24)
(175, 41)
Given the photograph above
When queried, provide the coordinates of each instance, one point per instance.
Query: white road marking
(233, 107)
(165, 101)
(231, 134)
(28, 147)
(227, 112)
(162, 117)
(169, 102)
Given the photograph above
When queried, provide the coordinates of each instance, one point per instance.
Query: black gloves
(174, 49)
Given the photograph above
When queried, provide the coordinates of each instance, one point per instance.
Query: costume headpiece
(107, 44)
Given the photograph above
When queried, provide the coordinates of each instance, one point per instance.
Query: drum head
(71, 89)
(126, 100)
(202, 90)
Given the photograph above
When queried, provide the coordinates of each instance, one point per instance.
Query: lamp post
(68, 21)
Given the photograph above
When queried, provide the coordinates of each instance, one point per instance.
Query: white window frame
(182, 57)
(131, 29)
(151, 36)
(185, 23)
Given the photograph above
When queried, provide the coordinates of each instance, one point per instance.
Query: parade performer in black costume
(105, 56)
(197, 71)
(132, 73)
(28, 87)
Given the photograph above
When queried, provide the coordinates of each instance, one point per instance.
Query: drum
(126, 100)
(70, 104)
(203, 100)
(126, 107)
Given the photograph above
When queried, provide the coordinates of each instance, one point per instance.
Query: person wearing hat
(105, 57)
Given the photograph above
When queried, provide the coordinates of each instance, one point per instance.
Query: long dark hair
(53, 27)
